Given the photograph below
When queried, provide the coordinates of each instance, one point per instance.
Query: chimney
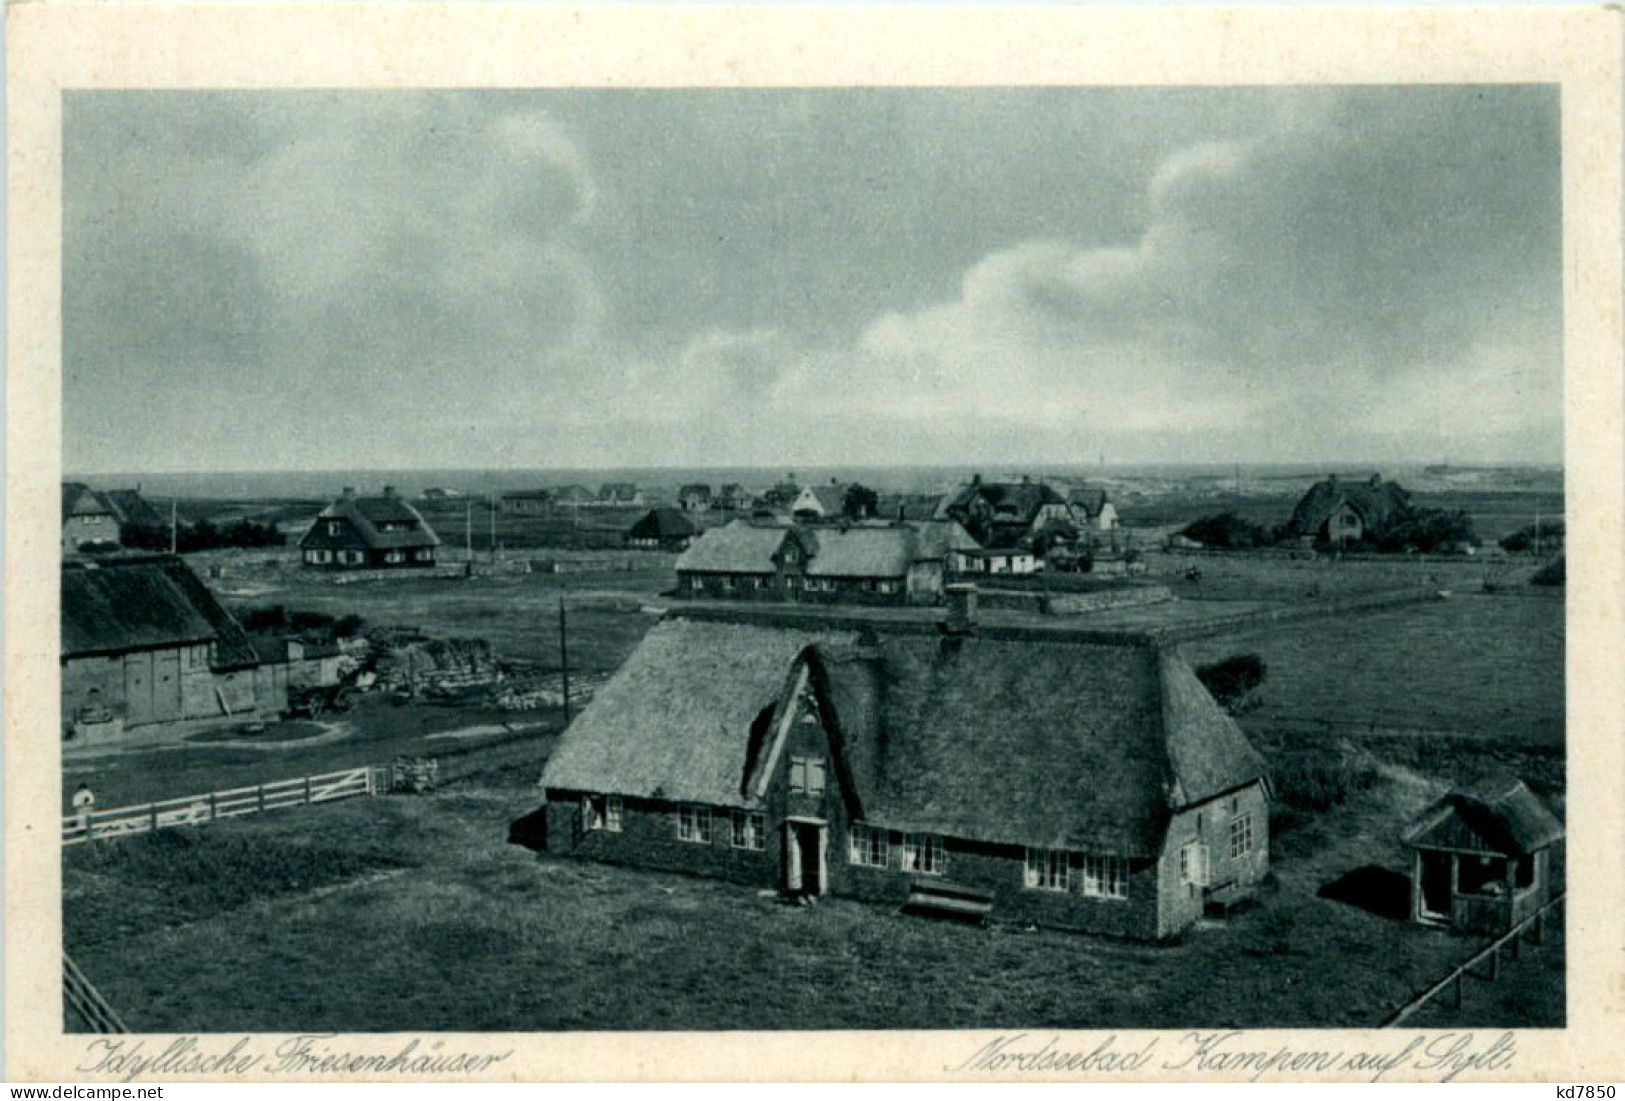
(389, 491)
(961, 610)
(1376, 480)
(349, 493)
(976, 479)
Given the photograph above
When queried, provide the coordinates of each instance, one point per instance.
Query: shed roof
(1505, 818)
(662, 523)
(1043, 743)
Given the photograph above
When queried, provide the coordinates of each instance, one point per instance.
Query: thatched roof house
(694, 497)
(1338, 510)
(1045, 777)
(382, 532)
(96, 518)
(662, 528)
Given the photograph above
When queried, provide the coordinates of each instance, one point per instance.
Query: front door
(1436, 885)
(804, 858)
(138, 688)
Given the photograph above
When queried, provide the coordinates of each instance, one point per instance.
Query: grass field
(1483, 666)
(411, 913)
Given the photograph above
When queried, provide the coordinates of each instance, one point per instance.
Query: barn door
(166, 685)
(138, 688)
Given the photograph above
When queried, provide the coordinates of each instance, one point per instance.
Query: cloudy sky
(277, 280)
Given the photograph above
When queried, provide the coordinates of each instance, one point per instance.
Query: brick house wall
(1209, 824)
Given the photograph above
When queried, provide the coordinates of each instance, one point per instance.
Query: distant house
(441, 493)
(527, 502)
(1338, 511)
(369, 533)
(933, 770)
(1482, 860)
(98, 518)
(574, 496)
(88, 520)
(297, 662)
(620, 495)
(1004, 513)
(144, 641)
(662, 529)
(857, 564)
(1092, 509)
(822, 502)
(694, 497)
(907, 506)
(734, 497)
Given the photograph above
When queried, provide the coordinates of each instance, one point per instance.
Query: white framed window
(395, 557)
(1047, 869)
(694, 824)
(1195, 866)
(807, 775)
(601, 812)
(888, 586)
(696, 583)
(923, 855)
(867, 846)
(1105, 876)
(749, 830)
(1241, 835)
(334, 527)
(725, 583)
(425, 555)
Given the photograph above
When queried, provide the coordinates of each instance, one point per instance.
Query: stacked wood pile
(414, 775)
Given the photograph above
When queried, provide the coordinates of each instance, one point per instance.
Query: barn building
(856, 564)
(1092, 509)
(369, 533)
(734, 498)
(619, 495)
(662, 529)
(1022, 775)
(821, 502)
(1483, 861)
(144, 641)
(1339, 511)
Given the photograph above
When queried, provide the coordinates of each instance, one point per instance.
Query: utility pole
(468, 532)
(1537, 524)
(493, 503)
(564, 662)
(174, 540)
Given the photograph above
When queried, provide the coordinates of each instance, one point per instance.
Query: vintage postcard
(913, 543)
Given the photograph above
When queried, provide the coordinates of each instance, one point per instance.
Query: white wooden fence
(197, 810)
(86, 1002)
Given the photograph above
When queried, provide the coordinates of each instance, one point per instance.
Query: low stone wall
(1072, 603)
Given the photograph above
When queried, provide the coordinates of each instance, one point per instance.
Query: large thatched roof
(1057, 743)
(369, 515)
(736, 547)
(1378, 503)
(125, 604)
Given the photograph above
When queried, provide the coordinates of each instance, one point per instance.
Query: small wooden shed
(1482, 861)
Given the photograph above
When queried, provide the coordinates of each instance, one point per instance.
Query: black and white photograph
(1014, 560)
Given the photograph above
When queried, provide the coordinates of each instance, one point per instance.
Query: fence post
(154, 807)
(214, 807)
(262, 798)
(1495, 962)
(307, 790)
(1458, 988)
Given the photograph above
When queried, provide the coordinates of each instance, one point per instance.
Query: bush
(1312, 784)
(1429, 530)
(1551, 534)
(1233, 679)
(1554, 572)
(202, 536)
(1228, 531)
